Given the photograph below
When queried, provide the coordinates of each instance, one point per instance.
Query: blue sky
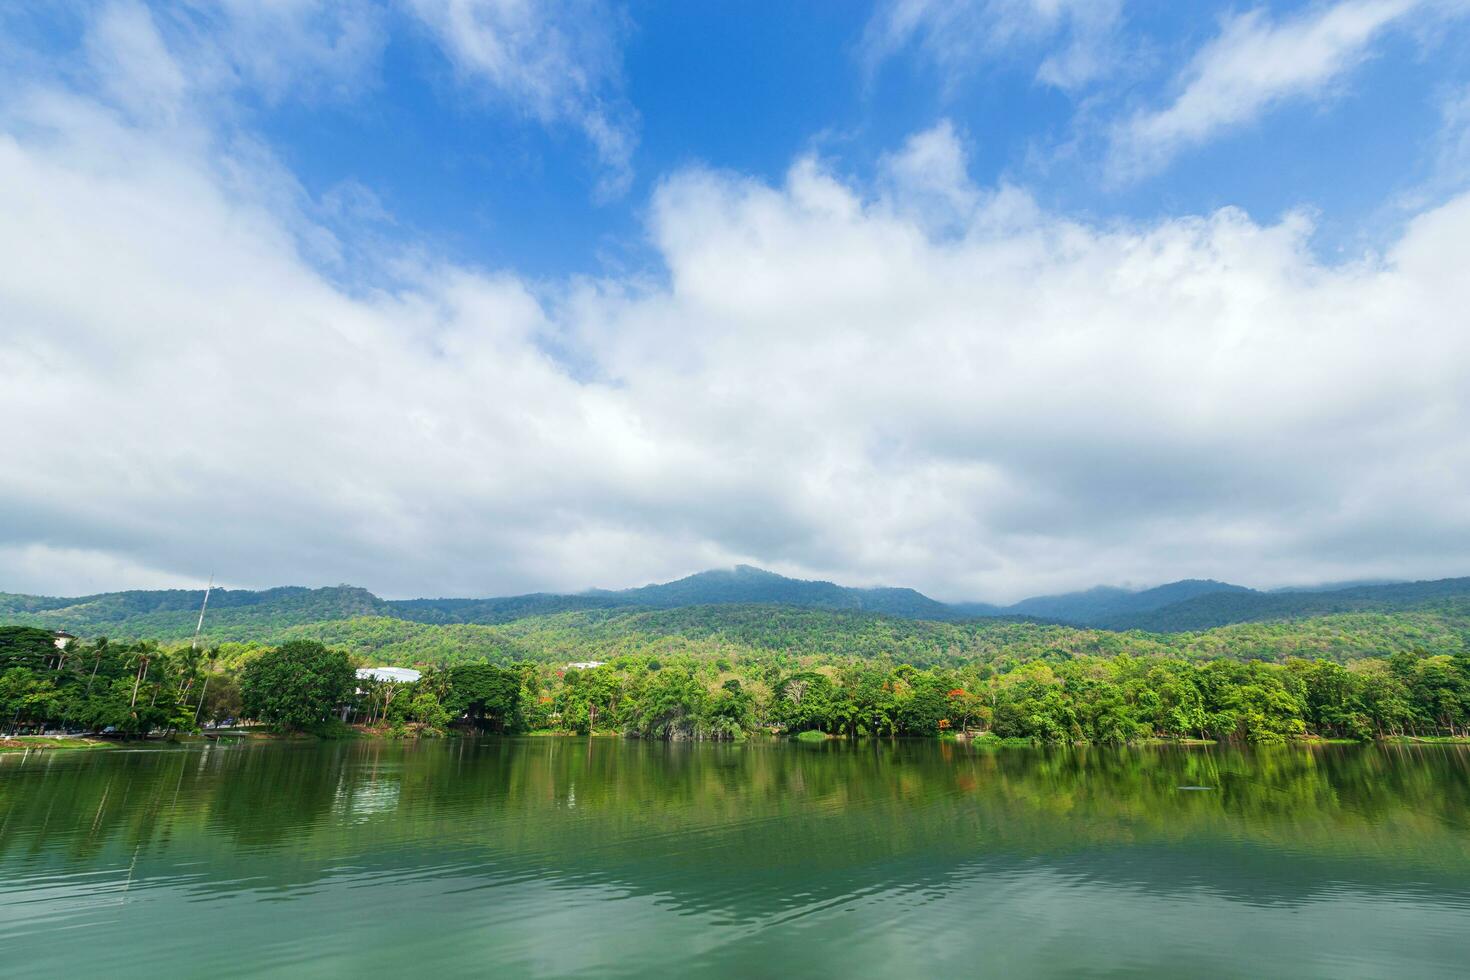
(988, 297)
(722, 86)
(714, 85)
(461, 163)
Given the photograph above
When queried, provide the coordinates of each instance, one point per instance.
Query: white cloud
(929, 179)
(1446, 163)
(133, 64)
(158, 60)
(1451, 158)
(296, 48)
(923, 382)
(1254, 64)
(82, 571)
(959, 35)
(558, 61)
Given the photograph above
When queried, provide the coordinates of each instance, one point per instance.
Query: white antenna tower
(202, 606)
(195, 645)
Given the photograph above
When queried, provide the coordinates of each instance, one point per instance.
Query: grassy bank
(29, 743)
(1426, 739)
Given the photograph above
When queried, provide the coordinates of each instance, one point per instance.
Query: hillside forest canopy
(1191, 605)
(734, 672)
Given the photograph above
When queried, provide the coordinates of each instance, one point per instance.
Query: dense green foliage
(1089, 699)
(484, 695)
(298, 686)
(130, 687)
(724, 671)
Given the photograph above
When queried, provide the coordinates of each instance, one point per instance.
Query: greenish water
(567, 857)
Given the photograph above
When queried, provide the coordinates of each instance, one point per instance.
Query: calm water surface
(567, 857)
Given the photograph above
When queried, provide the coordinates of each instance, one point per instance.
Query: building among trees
(389, 675)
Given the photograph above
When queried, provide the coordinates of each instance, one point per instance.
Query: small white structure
(389, 675)
(62, 638)
(586, 664)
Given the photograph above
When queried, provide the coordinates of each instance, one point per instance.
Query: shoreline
(72, 743)
(65, 743)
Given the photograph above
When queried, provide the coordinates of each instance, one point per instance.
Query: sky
(989, 298)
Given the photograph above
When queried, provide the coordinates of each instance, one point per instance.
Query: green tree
(426, 709)
(26, 646)
(486, 695)
(298, 686)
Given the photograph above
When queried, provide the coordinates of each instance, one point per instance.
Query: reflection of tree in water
(748, 811)
(717, 826)
(82, 804)
(273, 796)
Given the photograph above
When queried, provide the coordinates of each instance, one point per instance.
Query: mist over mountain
(1103, 602)
(1223, 608)
(1337, 586)
(1184, 606)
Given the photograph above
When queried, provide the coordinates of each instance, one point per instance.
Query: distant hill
(243, 615)
(505, 610)
(1104, 603)
(1338, 586)
(1213, 609)
(746, 585)
(1190, 605)
(170, 614)
(742, 585)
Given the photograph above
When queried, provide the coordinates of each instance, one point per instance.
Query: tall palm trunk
(137, 681)
(203, 690)
(97, 663)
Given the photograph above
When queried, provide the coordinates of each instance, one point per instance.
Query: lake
(576, 857)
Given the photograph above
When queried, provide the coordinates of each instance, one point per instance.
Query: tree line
(302, 685)
(1087, 699)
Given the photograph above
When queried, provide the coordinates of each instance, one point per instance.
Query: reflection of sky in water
(560, 857)
(359, 800)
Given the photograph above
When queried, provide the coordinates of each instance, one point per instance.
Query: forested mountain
(745, 585)
(1338, 586)
(245, 616)
(503, 610)
(742, 585)
(1104, 602)
(728, 671)
(1185, 606)
(1220, 608)
(170, 614)
(733, 631)
(1093, 684)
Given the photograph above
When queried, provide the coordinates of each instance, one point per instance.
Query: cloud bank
(916, 380)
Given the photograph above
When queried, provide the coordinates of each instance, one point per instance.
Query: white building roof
(391, 675)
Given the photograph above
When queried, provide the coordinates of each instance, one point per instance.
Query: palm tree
(145, 657)
(100, 647)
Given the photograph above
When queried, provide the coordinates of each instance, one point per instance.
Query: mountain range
(1184, 606)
